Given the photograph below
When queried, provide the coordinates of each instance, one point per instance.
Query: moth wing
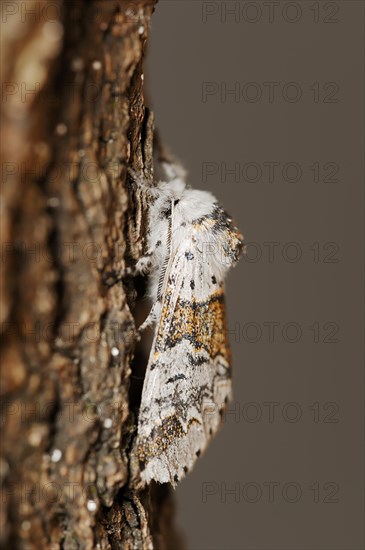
(188, 377)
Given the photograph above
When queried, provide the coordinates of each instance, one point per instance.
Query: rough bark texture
(74, 119)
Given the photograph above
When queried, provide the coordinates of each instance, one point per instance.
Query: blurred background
(263, 104)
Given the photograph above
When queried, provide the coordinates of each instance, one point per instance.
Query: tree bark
(74, 119)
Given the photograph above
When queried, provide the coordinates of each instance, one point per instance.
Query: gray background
(310, 448)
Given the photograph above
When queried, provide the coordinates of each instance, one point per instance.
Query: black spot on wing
(192, 284)
(197, 360)
(165, 213)
(199, 305)
(189, 255)
(176, 377)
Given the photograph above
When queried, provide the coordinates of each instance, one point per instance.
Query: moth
(191, 245)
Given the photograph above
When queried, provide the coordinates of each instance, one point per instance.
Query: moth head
(166, 194)
(172, 190)
(189, 204)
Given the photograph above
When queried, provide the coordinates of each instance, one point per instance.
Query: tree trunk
(74, 119)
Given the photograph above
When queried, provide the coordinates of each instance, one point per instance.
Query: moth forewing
(192, 243)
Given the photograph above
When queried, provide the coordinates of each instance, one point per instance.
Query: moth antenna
(161, 279)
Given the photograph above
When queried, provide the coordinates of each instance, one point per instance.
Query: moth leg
(143, 266)
(151, 317)
(142, 184)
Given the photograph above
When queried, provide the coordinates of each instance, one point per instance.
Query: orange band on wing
(202, 323)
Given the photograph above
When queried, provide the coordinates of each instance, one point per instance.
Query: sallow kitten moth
(192, 243)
